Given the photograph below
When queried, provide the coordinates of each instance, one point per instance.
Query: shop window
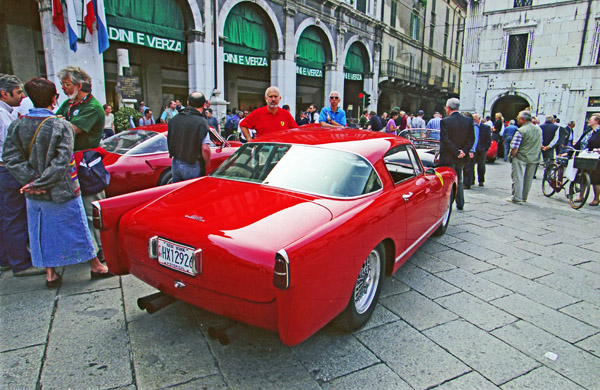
(517, 51)
(522, 3)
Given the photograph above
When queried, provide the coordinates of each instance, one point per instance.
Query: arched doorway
(248, 41)
(355, 67)
(153, 32)
(509, 106)
(312, 54)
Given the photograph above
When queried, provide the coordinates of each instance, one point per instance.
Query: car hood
(233, 214)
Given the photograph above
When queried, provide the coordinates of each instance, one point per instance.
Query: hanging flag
(101, 25)
(57, 16)
(72, 22)
(88, 14)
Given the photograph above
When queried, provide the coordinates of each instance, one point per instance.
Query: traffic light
(367, 99)
(361, 99)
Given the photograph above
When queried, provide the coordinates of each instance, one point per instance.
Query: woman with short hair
(38, 152)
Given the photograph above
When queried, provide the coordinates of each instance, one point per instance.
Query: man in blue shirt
(507, 136)
(333, 116)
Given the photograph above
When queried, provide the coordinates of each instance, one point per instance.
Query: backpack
(230, 125)
(93, 176)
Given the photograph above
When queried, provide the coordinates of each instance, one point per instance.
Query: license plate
(176, 256)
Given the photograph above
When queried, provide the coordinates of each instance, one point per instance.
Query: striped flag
(89, 16)
(101, 25)
(72, 25)
(57, 16)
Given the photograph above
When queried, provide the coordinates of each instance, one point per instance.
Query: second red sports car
(139, 158)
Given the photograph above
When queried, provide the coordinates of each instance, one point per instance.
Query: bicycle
(555, 179)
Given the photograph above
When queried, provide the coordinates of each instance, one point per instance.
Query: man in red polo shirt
(268, 118)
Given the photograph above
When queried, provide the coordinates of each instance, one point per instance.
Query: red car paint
(131, 173)
(240, 226)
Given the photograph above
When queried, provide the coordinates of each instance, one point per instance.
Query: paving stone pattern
(509, 298)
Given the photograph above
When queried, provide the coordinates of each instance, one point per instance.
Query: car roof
(370, 144)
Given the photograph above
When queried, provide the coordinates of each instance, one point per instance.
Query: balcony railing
(402, 72)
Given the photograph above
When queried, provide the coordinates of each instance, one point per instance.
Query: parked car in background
(427, 142)
(292, 231)
(139, 158)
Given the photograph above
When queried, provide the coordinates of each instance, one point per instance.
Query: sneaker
(5, 268)
(511, 200)
(480, 184)
(31, 271)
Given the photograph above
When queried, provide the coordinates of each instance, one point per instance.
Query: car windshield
(422, 137)
(302, 168)
(125, 141)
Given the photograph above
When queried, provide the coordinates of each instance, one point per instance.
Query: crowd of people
(41, 202)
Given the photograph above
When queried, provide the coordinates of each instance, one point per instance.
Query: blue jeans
(13, 224)
(507, 148)
(185, 171)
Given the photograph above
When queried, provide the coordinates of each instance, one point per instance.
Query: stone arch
(356, 38)
(228, 5)
(317, 23)
(196, 16)
(509, 104)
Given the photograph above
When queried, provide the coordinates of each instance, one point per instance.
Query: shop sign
(353, 76)
(143, 39)
(242, 59)
(310, 72)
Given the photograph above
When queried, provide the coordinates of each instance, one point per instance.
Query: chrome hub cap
(367, 282)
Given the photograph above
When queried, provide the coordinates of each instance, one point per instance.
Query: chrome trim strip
(153, 247)
(285, 257)
(435, 225)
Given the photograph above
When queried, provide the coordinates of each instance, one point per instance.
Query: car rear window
(303, 168)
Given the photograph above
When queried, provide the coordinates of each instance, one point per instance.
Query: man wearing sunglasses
(333, 116)
(268, 118)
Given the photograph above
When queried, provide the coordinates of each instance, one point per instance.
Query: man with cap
(418, 122)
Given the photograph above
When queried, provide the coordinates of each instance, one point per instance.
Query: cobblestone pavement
(509, 298)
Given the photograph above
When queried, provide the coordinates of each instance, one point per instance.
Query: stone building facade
(306, 48)
(421, 53)
(537, 54)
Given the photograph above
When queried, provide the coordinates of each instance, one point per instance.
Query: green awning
(161, 18)
(311, 53)
(354, 60)
(245, 32)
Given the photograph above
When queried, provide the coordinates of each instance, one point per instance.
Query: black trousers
(479, 160)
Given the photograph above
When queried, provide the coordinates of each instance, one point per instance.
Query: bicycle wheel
(579, 190)
(549, 183)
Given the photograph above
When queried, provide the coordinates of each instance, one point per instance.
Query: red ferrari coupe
(289, 233)
(139, 158)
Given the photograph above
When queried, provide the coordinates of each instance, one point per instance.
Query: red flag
(57, 16)
(89, 16)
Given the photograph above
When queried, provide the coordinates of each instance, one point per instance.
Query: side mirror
(430, 171)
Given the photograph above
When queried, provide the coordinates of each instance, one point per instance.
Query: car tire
(166, 177)
(446, 219)
(365, 293)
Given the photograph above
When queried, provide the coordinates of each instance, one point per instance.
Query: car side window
(415, 160)
(399, 164)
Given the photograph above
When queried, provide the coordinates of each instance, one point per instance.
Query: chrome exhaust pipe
(154, 302)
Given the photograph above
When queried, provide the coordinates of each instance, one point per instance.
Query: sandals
(52, 284)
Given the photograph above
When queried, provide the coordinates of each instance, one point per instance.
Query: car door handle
(406, 197)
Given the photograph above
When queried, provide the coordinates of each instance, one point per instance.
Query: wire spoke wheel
(550, 181)
(579, 190)
(367, 282)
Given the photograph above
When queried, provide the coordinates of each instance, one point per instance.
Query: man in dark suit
(550, 138)
(457, 136)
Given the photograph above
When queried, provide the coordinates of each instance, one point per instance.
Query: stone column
(58, 55)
